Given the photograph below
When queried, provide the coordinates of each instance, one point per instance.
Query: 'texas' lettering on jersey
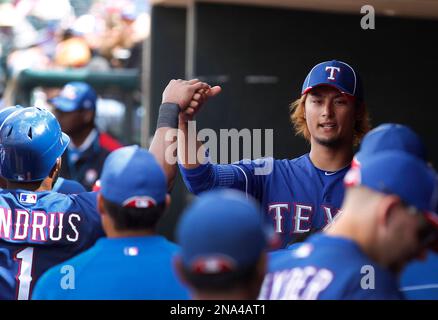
(301, 215)
(38, 226)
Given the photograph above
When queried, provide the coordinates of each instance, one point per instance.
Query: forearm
(164, 144)
(163, 147)
(191, 152)
(181, 100)
(210, 176)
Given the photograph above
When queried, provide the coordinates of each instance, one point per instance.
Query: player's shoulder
(48, 284)
(370, 282)
(301, 161)
(67, 186)
(72, 265)
(298, 163)
(324, 251)
(170, 246)
(27, 198)
(333, 250)
(84, 198)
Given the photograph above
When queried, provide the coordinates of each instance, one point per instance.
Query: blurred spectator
(72, 51)
(122, 43)
(75, 108)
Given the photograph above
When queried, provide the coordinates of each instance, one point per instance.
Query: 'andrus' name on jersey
(38, 226)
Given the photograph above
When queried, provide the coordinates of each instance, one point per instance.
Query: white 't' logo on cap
(332, 72)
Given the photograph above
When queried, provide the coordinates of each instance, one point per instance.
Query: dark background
(398, 63)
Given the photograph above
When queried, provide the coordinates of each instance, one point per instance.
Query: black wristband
(168, 115)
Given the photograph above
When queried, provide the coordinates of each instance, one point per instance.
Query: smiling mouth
(327, 125)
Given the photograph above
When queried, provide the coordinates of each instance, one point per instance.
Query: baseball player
(71, 222)
(385, 223)
(60, 185)
(133, 262)
(297, 195)
(222, 260)
(38, 228)
(419, 279)
(75, 109)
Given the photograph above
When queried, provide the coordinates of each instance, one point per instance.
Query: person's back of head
(4, 114)
(31, 144)
(133, 192)
(390, 136)
(223, 246)
(389, 207)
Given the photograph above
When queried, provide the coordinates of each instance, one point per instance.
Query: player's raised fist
(198, 100)
(181, 92)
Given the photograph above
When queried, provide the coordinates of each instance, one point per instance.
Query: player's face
(330, 116)
(410, 235)
(70, 122)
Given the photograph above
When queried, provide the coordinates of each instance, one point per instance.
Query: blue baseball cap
(222, 231)
(131, 177)
(75, 96)
(337, 74)
(391, 136)
(402, 174)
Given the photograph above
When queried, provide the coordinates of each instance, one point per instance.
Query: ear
(100, 206)
(262, 267)
(385, 212)
(89, 116)
(304, 106)
(178, 266)
(167, 201)
(56, 168)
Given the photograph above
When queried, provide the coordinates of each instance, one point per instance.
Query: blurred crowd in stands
(51, 35)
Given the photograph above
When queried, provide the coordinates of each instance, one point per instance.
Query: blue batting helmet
(6, 112)
(30, 142)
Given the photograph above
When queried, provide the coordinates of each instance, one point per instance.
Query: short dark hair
(220, 282)
(133, 218)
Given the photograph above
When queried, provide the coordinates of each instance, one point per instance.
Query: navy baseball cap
(402, 174)
(222, 231)
(131, 177)
(75, 96)
(391, 136)
(337, 74)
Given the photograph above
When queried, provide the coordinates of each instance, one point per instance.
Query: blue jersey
(280, 258)
(39, 230)
(326, 267)
(67, 186)
(117, 268)
(295, 196)
(420, 279)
